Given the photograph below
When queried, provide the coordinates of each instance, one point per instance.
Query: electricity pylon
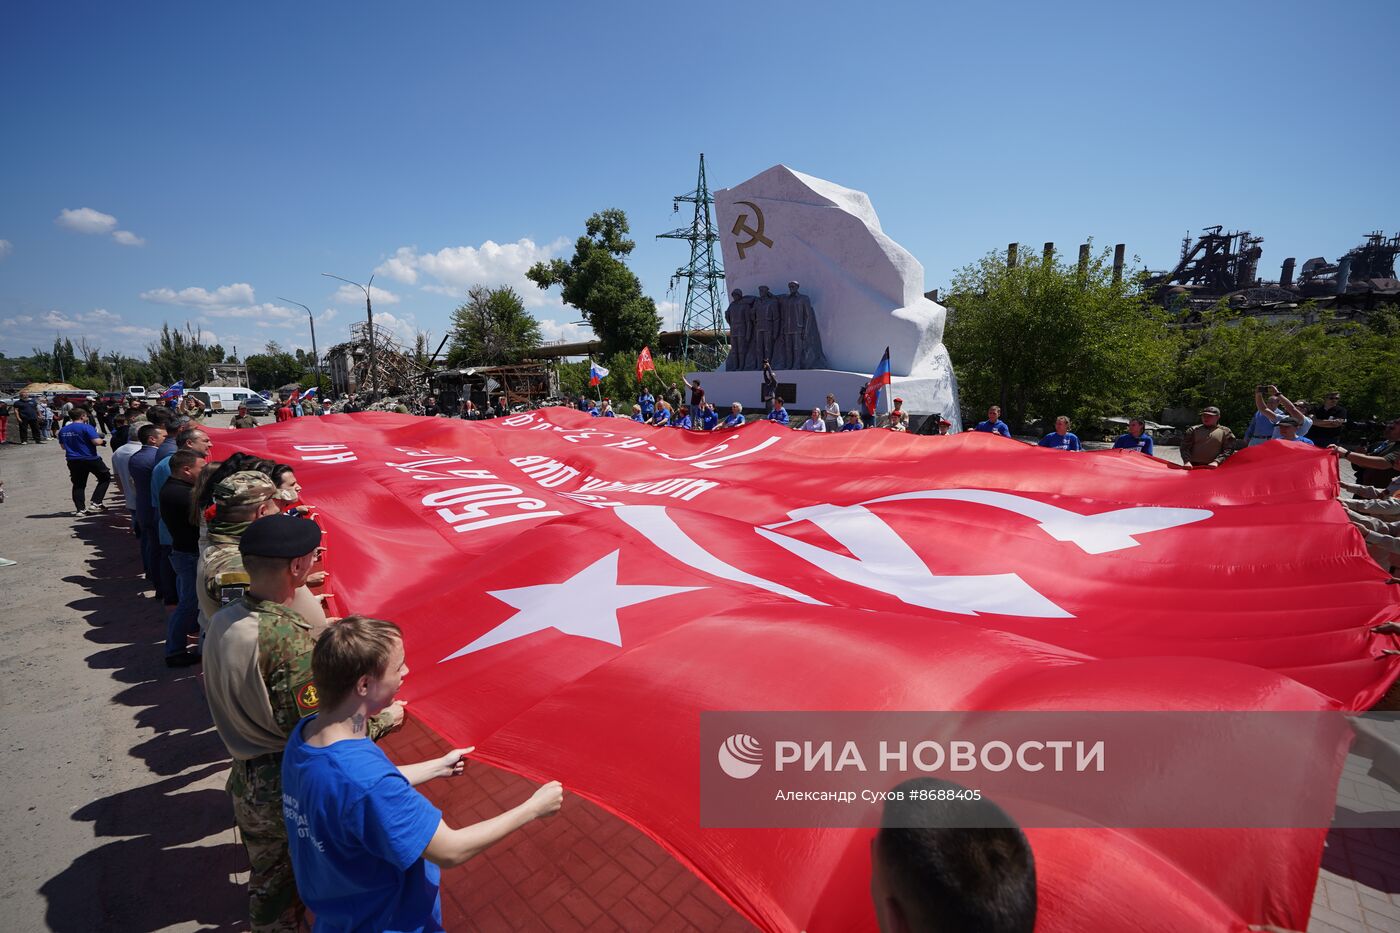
(704, 333)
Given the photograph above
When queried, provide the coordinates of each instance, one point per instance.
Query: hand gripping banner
(575, 592)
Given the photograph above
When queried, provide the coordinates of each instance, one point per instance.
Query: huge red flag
(575, 595)
(644, 362)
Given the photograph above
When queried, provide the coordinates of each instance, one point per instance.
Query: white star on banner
(586, 604)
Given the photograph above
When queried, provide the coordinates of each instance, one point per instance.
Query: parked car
(136, 392)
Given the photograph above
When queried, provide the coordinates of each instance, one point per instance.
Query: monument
(851, 291)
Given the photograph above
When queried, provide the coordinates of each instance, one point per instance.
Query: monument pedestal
(923, 395)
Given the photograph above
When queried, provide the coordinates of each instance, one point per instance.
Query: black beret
(280, 536)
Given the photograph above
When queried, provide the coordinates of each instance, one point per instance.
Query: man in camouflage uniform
(257, 677)
(238, 501)
(243, 419)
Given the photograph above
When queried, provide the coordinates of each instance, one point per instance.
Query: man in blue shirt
(1271, 405)
(1137, 437)
(709, 418)
(80, 441)
(1061, 438)
(779, 413)
(366, 847)
(1288, 431)
(736, 416)
(993, 424)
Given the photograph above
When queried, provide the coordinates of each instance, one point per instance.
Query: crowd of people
(234, 556)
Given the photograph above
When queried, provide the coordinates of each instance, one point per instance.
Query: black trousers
(79, 471)
(28, 426)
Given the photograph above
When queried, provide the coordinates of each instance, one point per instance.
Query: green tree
(180, 354)
(273, 368)
(598, 283)
(620, 384)
(1040, 340)
(1231, 353)
(492, 328)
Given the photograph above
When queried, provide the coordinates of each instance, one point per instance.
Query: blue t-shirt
(1128, 442)
(853, 426)
(682, 422)
(660, 419)
(648, 403)
(708, 419)
(1298, 440)
(639, 417)
(779, 415)
(734, 421)
(357, 831)
(1058, 441)
(993, 427)
(79, 441)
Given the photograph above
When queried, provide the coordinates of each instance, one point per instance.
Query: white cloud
(404, 328)
(562, 332)
(6, 248)
(238, 293)
(352, 294)
(86, 220)
(670, 312)
(227, 301)
(455, 269)
(100, 327)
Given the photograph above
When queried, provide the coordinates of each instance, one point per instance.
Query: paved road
(115, 816)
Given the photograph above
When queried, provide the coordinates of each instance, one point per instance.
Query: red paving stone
(584, 869)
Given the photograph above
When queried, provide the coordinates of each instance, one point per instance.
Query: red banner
(575, 592)
(644, 363)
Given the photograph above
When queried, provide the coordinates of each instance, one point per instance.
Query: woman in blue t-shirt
(365, 846)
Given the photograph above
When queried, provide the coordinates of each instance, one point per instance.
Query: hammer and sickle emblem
(755, 236)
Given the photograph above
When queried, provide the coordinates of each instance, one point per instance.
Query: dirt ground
(116, 817)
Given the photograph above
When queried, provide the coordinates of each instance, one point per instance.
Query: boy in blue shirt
(367, 848)
(1061, 438)
(80, 441)
(1137, 437)
(993, 424)
(779, 413)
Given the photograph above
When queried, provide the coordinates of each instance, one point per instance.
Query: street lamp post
(369, 318)
(315, 357)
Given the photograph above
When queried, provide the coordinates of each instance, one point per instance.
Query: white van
(228, 398)
(136, 392)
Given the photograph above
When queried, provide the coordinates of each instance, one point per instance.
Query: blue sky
(194, 161)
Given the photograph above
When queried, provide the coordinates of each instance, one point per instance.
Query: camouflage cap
(248, 487)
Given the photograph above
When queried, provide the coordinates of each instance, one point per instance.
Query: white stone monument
(866, 289)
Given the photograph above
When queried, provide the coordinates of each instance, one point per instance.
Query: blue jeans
(184, 621)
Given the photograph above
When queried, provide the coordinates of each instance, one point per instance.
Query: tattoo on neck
(357, 722)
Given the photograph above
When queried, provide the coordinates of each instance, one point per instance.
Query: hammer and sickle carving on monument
(742, 228)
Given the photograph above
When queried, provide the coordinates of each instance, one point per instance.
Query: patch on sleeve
(308, 699)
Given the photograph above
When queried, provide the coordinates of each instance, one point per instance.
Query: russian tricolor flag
(596, 373)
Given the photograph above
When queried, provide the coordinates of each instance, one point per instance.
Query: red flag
(644, 362)
(637, 578)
